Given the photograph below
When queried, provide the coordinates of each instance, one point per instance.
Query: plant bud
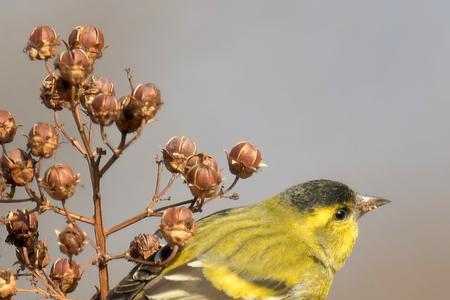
(7, 127)
(43, 43)
(200, 158)
(103, 109)
(55, 92)
(17, 167)
(37, 254)
(7, 284)
(178, 225)
(96, 85)
(177, 150)
(22, 227)
(74, 66)
(143, 246)
(148, 100)
(43, 140)
(244, 159)
(203, 180)
(60, 181)
(72, 240)
(65, 274)
(88, 38)
(127, 120)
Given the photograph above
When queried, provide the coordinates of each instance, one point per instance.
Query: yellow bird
(288, 247)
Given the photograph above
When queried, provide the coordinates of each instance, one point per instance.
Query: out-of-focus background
(356, 91)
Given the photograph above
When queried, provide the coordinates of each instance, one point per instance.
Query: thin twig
(4, 149)
(72, 140)
(47, 66)
(63, 213)
(105, 139)
(17, 200)
(69, 218)
(129, 77)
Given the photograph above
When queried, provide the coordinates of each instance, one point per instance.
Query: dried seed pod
(17, 167)
(148, 100)
(200, 158)
(203, 180)
(103, 109)
(72, 240)
(94, 86)
(55, 92)
(7, 284)
(43, 43)
(74, 66)
(7, 127)
(143, 246)
(35, 256)
(88, 38)
(178, 225)
(60, 181)
(22, 227)
(43, 140)
(127, 120)
(65, 274)
(244, 159)
(177, 150)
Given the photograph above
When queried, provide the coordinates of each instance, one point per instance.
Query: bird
(288, 247)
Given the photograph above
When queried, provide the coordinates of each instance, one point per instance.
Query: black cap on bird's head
(322, 192)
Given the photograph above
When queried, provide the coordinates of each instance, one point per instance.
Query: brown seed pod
(17, 167)
(55, 92)
(35, 256)
(22, 227)
(65, 274)
(203, 180)
(43, 140)
(244, 159)
(94, 86)
(127, 120)
(89, 38)
(74, 66)
(7, 284)
(43, 43)
(60, 181)
(178, 225)
(103, 109)
(7, 127)
(143, 246)
(72, 240)
(200, 158)
(148, 100)
(177, 150)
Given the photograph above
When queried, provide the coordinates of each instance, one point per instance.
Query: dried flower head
(55, 92)
(244, 159)
(60, 181)
(103, 109)
(89, 38)
(43, 43)
(128, 120)
(200, 158)
(74, 66)
(144, 245)
(7, 284)
(17, 167)
(148, 100)
(177, 150)
(43, 140)
(36, 256)
(178, 225)
(72, 240)
(65, 274)
(94, 86)
(22, 227)
(203, 180)
(7, 127)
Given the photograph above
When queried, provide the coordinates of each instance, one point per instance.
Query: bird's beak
(366, 203)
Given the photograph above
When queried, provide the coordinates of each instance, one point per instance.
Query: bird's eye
(341, 214)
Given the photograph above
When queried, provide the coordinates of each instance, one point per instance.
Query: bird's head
(330, 212)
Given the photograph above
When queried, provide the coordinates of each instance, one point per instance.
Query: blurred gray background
(356, 91)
